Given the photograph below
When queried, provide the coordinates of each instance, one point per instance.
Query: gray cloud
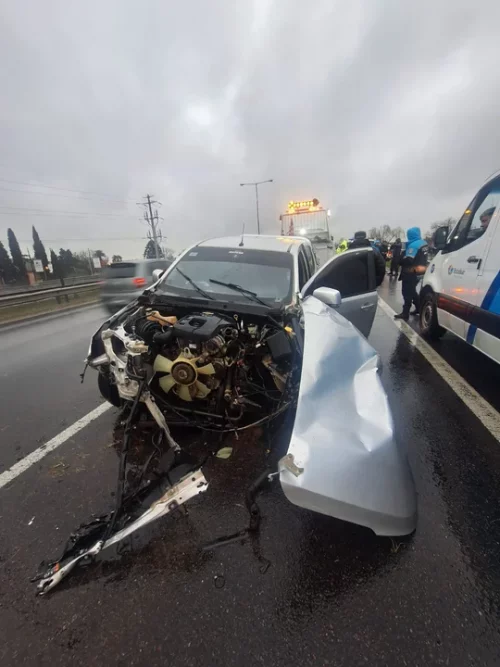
(386, 111)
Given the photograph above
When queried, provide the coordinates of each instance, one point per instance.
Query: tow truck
(309, 219)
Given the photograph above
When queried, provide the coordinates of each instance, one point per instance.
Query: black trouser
(394, 266)
(410, 295)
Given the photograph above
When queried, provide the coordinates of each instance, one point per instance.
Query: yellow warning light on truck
(302, 206)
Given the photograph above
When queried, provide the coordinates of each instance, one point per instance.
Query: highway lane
(40, 387)
(473, 366)
(334, 594)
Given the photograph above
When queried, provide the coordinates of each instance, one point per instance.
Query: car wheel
(108, 391)
(429, 326)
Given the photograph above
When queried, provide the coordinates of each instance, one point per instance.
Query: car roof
(290, 244)
(139, 261)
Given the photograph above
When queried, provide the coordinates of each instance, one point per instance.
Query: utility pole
(256, 186)
(152, 221)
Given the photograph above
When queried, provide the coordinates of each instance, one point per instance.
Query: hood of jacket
(413, 234)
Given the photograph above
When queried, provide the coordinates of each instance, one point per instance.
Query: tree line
(59, 265)
(55, 265)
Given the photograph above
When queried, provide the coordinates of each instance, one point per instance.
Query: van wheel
(429, 326)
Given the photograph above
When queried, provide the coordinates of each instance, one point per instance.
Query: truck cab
(461, 287)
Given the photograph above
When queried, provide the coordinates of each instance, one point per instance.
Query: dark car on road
(124, 281)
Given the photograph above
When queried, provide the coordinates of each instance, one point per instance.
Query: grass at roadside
(46, 306)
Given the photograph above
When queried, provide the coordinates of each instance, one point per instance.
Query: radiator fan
(181, 375)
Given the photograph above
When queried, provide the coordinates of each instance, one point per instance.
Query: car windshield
(266, 273)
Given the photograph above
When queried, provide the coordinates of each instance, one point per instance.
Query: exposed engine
(203, 368)
(215, 371)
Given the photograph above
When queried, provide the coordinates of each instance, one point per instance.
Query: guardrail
(48, 284)
(60, 294)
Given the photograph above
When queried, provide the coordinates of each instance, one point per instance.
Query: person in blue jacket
(413, 264)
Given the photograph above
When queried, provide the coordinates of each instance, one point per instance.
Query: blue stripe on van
(491, 303)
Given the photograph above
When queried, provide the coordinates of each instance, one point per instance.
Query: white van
(461, 287)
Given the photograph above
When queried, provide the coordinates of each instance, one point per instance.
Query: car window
(120, 270)
(266, 273)
(351, 274)
(310, 259)
(303, 273)
(353, 277)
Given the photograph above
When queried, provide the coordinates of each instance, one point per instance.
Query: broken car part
(343, 435)
(192, 485)
(164, 496)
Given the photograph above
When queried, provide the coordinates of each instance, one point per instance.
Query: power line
(8, 210)
(55, 187)
(56, 194)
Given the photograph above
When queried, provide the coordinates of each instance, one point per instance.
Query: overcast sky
(388, 111)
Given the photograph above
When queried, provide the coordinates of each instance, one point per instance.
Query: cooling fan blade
(202, 391)
(166, 383)
(183, 392)
(162, 364)
(206, 370)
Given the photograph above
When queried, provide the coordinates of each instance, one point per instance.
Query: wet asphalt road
(333, 595)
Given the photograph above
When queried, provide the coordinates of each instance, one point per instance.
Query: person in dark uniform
(360, 241)
(413, 265)
(396, 249)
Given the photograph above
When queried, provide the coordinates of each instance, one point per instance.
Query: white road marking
(485, 412)
(23, 465)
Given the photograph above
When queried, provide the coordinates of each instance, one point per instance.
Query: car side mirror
(157, 274)
(328, 296)
(440, 238)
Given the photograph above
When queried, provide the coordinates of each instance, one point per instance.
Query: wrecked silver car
(243, 332)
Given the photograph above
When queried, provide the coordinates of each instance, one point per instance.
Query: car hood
(343, 436)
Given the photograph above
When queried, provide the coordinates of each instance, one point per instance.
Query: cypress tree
(17, 255)
(7, 269)
(38, 248)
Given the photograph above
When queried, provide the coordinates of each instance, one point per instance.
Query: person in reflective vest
(342, 246)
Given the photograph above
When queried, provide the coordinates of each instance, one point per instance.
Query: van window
(483, 216)
(477, 217)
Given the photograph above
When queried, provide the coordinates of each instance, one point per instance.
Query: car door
(463, 261)
(352, 273)
(305, 272)
(311, 260)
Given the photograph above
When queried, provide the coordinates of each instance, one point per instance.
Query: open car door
(352, 273)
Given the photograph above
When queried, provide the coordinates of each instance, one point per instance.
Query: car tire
(108, 391)
(429, 326)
